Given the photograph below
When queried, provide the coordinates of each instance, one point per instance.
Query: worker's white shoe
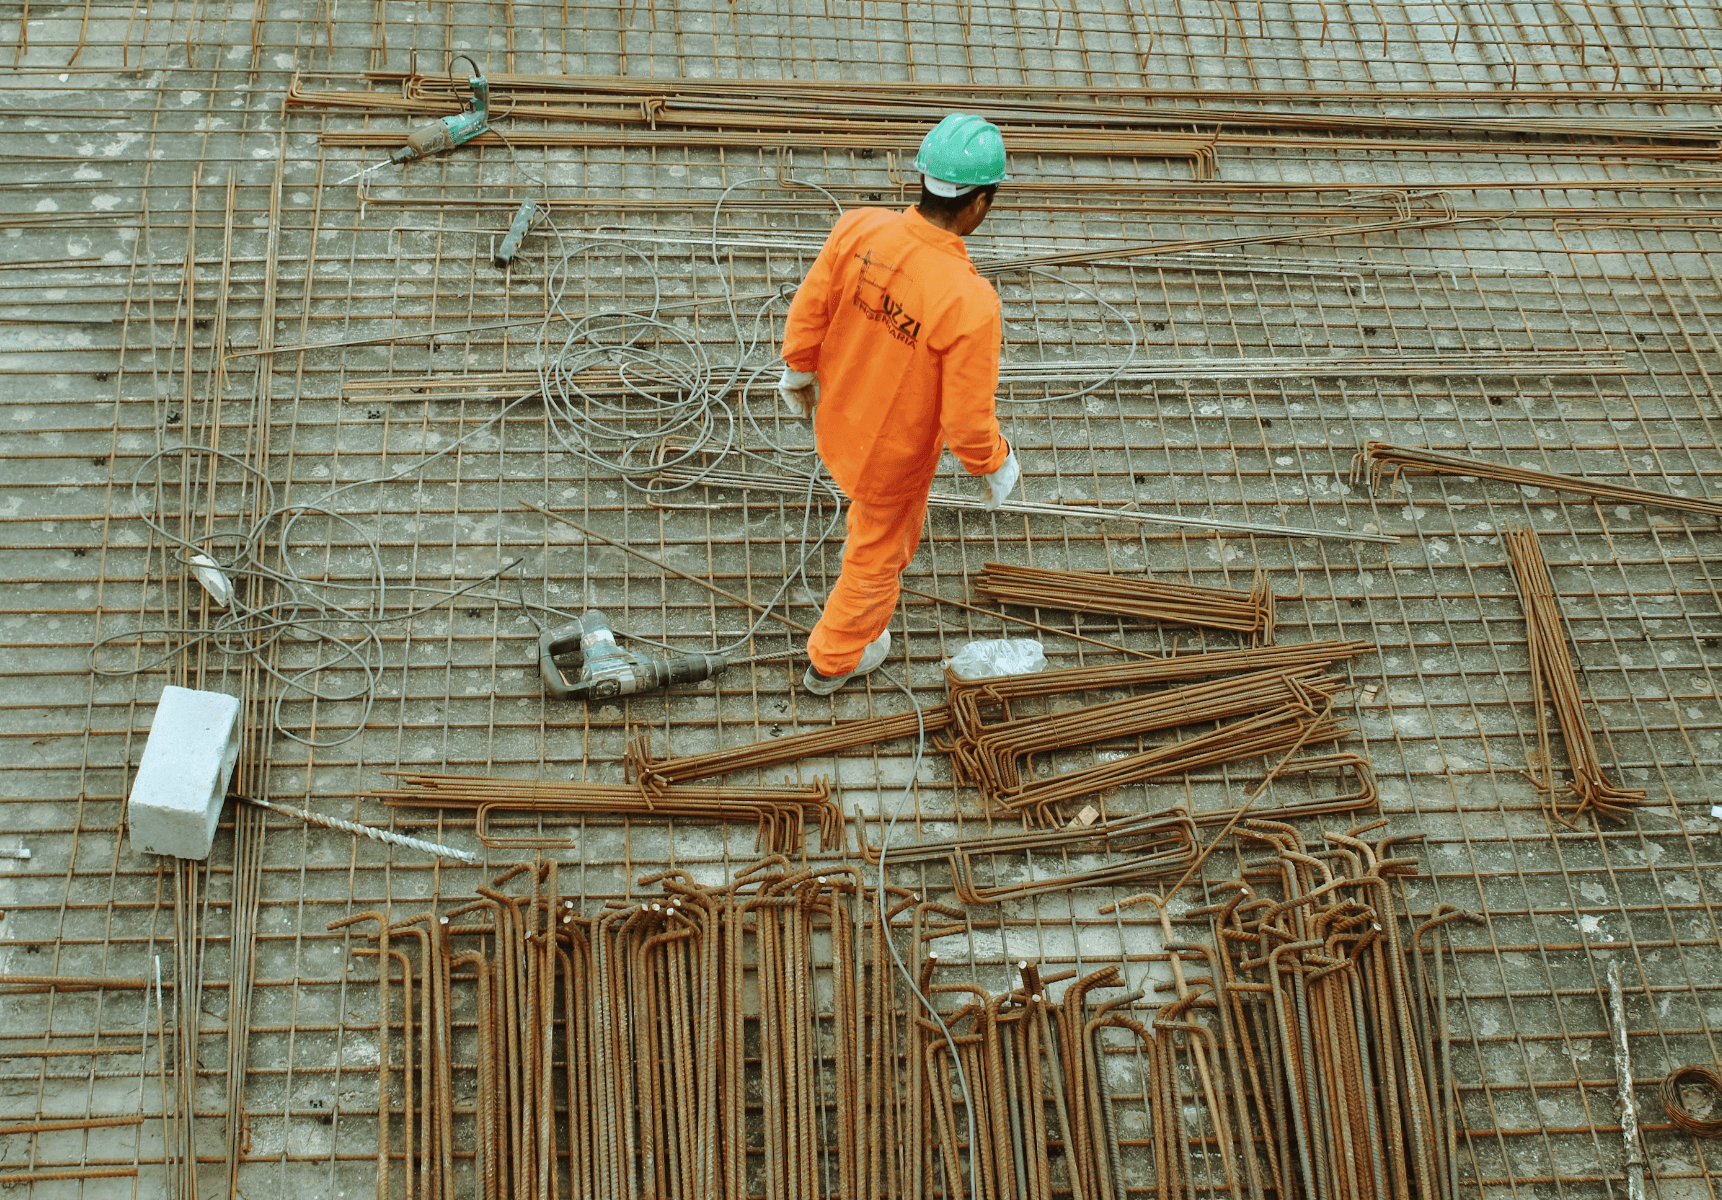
(872, 656)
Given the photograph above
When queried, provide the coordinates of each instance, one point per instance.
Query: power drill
(446, 133)
(605, 670)
(450, 132)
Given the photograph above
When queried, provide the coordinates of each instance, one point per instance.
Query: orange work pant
(882, 539)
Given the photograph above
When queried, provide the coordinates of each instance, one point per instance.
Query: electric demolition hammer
(604, 670)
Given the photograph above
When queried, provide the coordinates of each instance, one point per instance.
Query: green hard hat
(964, 150)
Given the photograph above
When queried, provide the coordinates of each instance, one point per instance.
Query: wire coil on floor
(1676, 1108)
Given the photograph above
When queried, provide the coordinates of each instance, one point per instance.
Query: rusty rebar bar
(1552, 668)
(1379, 461)
(813, 743)
(1250, 613)
(781, 813)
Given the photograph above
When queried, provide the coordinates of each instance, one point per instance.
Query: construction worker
(892, 346)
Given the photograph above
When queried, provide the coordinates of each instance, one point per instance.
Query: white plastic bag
(1001, 656)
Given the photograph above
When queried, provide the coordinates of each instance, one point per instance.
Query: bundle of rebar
(1282, 730)
(1273, 689)
(1158, 844)
(756, 1037)
(781, 814)
(1306, 1056)
(1035, 1090)
(1303, 1062)
(972, 700)
(1555, 681)
(1197, 148)
(1380, 461)
(997, 759)
(669, 1037)
(814, 743)
(426, 1106)
(1151, 847)
(1267, 712)
(1250, 613)
(722, 1041)
(723, 112)
(674, 114)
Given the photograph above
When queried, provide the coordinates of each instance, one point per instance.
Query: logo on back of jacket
(873, 297)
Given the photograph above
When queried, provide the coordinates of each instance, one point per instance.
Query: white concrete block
(182, 780)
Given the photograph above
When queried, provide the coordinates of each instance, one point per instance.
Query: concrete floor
(132, 125)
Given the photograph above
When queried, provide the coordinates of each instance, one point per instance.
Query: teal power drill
(445, 134)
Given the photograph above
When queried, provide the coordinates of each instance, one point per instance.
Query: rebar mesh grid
(1392, 46)
(1591, 277)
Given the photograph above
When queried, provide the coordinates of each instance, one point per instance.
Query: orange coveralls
(904, 335)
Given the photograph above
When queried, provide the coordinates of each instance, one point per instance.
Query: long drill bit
(375, 834)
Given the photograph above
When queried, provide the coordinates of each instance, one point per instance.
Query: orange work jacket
(904, 335)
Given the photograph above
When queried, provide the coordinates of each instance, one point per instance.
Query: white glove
(799, 391)
(1001, 483)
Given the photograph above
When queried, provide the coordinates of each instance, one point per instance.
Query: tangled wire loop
(271, 605)
(1676, 1109)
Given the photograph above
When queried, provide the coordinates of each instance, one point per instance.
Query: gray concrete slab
(375, 457)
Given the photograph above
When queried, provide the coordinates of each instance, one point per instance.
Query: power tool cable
(884, 923)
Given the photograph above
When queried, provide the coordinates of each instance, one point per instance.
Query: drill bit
(775, 654)
(366, 171)
(375, 834)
